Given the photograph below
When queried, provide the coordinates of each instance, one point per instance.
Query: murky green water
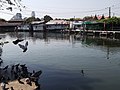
(61, 57)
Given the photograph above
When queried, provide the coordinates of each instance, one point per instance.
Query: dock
(98, 33)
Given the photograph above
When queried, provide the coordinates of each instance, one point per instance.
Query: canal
(68, 62)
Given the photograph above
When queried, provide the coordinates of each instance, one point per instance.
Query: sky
(65, 8)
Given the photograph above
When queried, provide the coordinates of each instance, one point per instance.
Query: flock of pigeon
(18, 71)
(12, 3)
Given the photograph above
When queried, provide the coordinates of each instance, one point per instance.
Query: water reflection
(107, 45)
(88, 40)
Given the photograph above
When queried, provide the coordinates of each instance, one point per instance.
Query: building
(38, 25)
(33, 14)
(57, 25)
(23, 27)
(12, 24)
(53, 25)
(76, 25)
(16, 19)
(34, 26)
(18, 16)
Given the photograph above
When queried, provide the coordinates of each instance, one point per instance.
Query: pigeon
(5, 68)
(17, 41)
(1, 61)
(24, 47)
(82, 71)
(17, 65)
(23, 65)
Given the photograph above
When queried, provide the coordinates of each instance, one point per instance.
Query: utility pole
(109, 12)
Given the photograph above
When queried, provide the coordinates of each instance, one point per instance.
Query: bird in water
(24, 47)
(17, 41)
(82, 72)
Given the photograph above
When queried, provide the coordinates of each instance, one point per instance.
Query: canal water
(68, 62)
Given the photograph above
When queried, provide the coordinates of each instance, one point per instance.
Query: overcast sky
(67, 8)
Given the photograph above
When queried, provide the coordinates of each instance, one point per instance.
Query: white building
(23, 27)
(38, 25)
(76, 25)
(57, 25)
(52, 25)
(33, 14)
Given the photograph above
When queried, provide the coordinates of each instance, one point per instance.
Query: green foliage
(73, 19)
(47, 18)
(10, 4)
(103, 17)
(31, 19)
(88, 18)
(113, 20)
(95, 18)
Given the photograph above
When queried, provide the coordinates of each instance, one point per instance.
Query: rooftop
(57, 22)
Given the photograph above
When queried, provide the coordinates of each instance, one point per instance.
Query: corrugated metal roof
(37, 22)
(9, 24)
(57, 22)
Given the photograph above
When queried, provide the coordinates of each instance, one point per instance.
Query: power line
(98, 11)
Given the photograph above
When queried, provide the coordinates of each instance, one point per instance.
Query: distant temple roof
(16, 17)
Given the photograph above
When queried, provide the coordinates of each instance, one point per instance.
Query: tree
(2, 20)
(10, 4)
(47, 18)
(103, 17)
(31, 19)
(88, 18)
(95, 18)
(113, 20)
